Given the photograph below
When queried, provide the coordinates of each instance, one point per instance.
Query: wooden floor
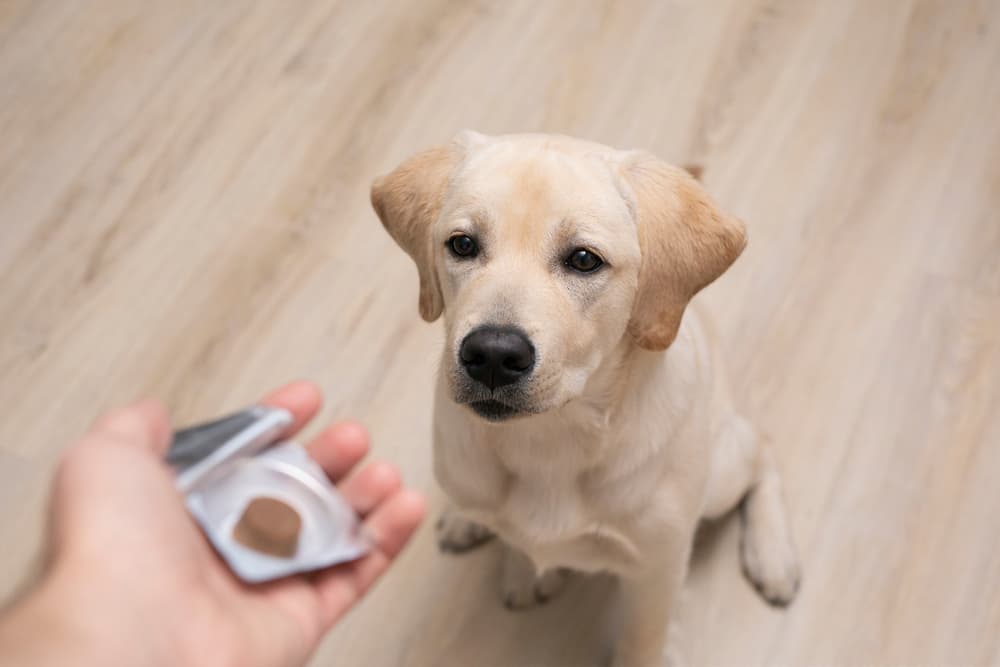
(183, 212)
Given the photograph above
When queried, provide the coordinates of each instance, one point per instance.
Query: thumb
(145, 423)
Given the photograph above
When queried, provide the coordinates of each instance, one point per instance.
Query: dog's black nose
(496, 356)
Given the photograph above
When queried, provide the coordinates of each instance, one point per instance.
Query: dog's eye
(584, 261)
(463, 246)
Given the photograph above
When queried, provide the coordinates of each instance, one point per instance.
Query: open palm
(125, 546)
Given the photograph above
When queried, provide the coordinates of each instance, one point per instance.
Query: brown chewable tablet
(269, 526)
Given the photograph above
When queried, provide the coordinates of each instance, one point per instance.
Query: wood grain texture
(184, 213)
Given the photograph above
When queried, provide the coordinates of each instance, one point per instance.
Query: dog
(582, 412)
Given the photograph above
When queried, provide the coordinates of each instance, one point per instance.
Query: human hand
(133, 581)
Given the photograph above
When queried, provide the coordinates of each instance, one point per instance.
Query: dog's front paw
(457, 535)
(522, 589)
(772, 566)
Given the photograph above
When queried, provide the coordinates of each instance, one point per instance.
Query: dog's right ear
(686, 242)
(408, 201)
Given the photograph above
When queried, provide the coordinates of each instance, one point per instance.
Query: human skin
(131, 580)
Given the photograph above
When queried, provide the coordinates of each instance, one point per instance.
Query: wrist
(62, 622)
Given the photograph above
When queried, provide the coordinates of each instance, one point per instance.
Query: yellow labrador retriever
(579, 416)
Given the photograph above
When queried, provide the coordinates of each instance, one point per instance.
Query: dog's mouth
(494, 411)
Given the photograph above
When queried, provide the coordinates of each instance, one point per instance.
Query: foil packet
(267, 508)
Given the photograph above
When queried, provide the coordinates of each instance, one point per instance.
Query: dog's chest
(551, 512)
(543, 505)
(552, 521)
(535, 487)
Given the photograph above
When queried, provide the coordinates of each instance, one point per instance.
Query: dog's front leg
(523, 586)
(456, 534)
(648, 600)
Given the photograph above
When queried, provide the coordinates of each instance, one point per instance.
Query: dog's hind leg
(743, 470)
(735, 466)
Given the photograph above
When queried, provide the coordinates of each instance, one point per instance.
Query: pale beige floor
(183, 212)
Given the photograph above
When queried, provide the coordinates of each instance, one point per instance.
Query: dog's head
(543, 252)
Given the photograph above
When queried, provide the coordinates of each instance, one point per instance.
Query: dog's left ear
(408, 201)
(685, 240)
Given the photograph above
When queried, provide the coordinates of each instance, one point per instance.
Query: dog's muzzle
(495, 356)
(494, 360)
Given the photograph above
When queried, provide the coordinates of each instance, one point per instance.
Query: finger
(392, 524)
(145, 423)
(373, 484)
(390, 527)
(303, 399)
(338, 448)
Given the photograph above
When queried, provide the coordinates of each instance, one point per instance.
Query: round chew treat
(269, 526)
